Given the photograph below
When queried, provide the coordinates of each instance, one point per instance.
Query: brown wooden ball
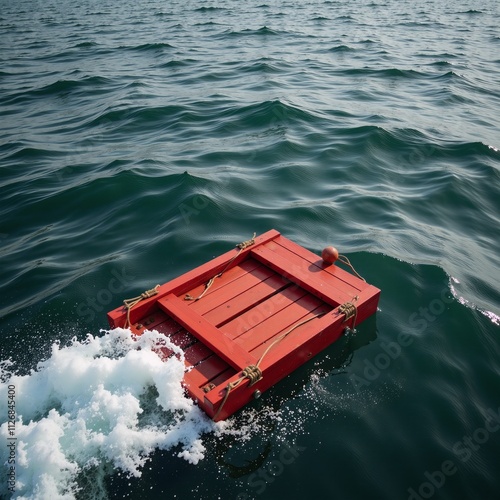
(329, 255)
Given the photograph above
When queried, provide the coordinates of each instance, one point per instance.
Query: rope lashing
(241, 246)
(247, 243)
(130, 303)
(253, 372)
(350, 310)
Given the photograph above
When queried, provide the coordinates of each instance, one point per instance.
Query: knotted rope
(253, 372)
(350, 310)
(241, 246)
(130, 303)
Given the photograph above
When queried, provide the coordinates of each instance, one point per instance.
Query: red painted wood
(151, 322)
(345, 280)
(295, 330)
(182, 339)
(211, 368)
(206, 332)
(277, 364)
(279, 323)
(228, 280)
(287, 355)
(197, 353)
(263, 311)
(321, 332)
(170, 328)
(187, 281)
(297, 271)
(223, 377)
(206, 371)
(237, 305)
(235, 288)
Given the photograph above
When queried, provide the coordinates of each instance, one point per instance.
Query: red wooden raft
(271, 305)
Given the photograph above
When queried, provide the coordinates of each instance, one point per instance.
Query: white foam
(108, 399)
(493, 317)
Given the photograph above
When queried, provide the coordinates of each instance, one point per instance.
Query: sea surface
(141, 139)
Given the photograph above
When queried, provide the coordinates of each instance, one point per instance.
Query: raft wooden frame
(265, 289)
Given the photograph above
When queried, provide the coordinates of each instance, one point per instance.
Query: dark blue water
(138, 140)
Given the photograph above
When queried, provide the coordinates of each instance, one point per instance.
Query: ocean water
(140, 139)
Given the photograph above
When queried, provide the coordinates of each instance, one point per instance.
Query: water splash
(107, 400)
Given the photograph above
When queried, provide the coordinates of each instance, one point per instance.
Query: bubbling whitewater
(84, 407)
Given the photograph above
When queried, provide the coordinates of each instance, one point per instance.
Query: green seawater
(141, 139)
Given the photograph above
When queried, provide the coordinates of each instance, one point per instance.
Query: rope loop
(130, 303)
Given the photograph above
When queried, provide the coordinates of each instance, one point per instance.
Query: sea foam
(107, 400)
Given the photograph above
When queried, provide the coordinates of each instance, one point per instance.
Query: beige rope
(253, 372)
(350, 310)
(130, 303)
(241, 246)
(347, 262)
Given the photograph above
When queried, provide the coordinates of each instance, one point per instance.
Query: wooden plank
(327, 329)
(236, 287)
(223, 377)
(197, 377)
(285, 356)
(206, 332)
(229, 278)
(150, 322)
(307, 262)
(279, 322)
(297, 271)
(251, 297)
(169, 328)
(196, 353)
(284, 246)
(295, 329)
(260, 312)
(182, 339)
(210, 368)
(187, 281)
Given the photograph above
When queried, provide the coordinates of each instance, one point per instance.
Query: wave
(209, 9)
(347, 18)
(85, 45)
(263, 31)
(390, 73)
(178, 63)
(60, 88)
(264, 66)
(341, 48)
(147, 47)
(470, 12)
